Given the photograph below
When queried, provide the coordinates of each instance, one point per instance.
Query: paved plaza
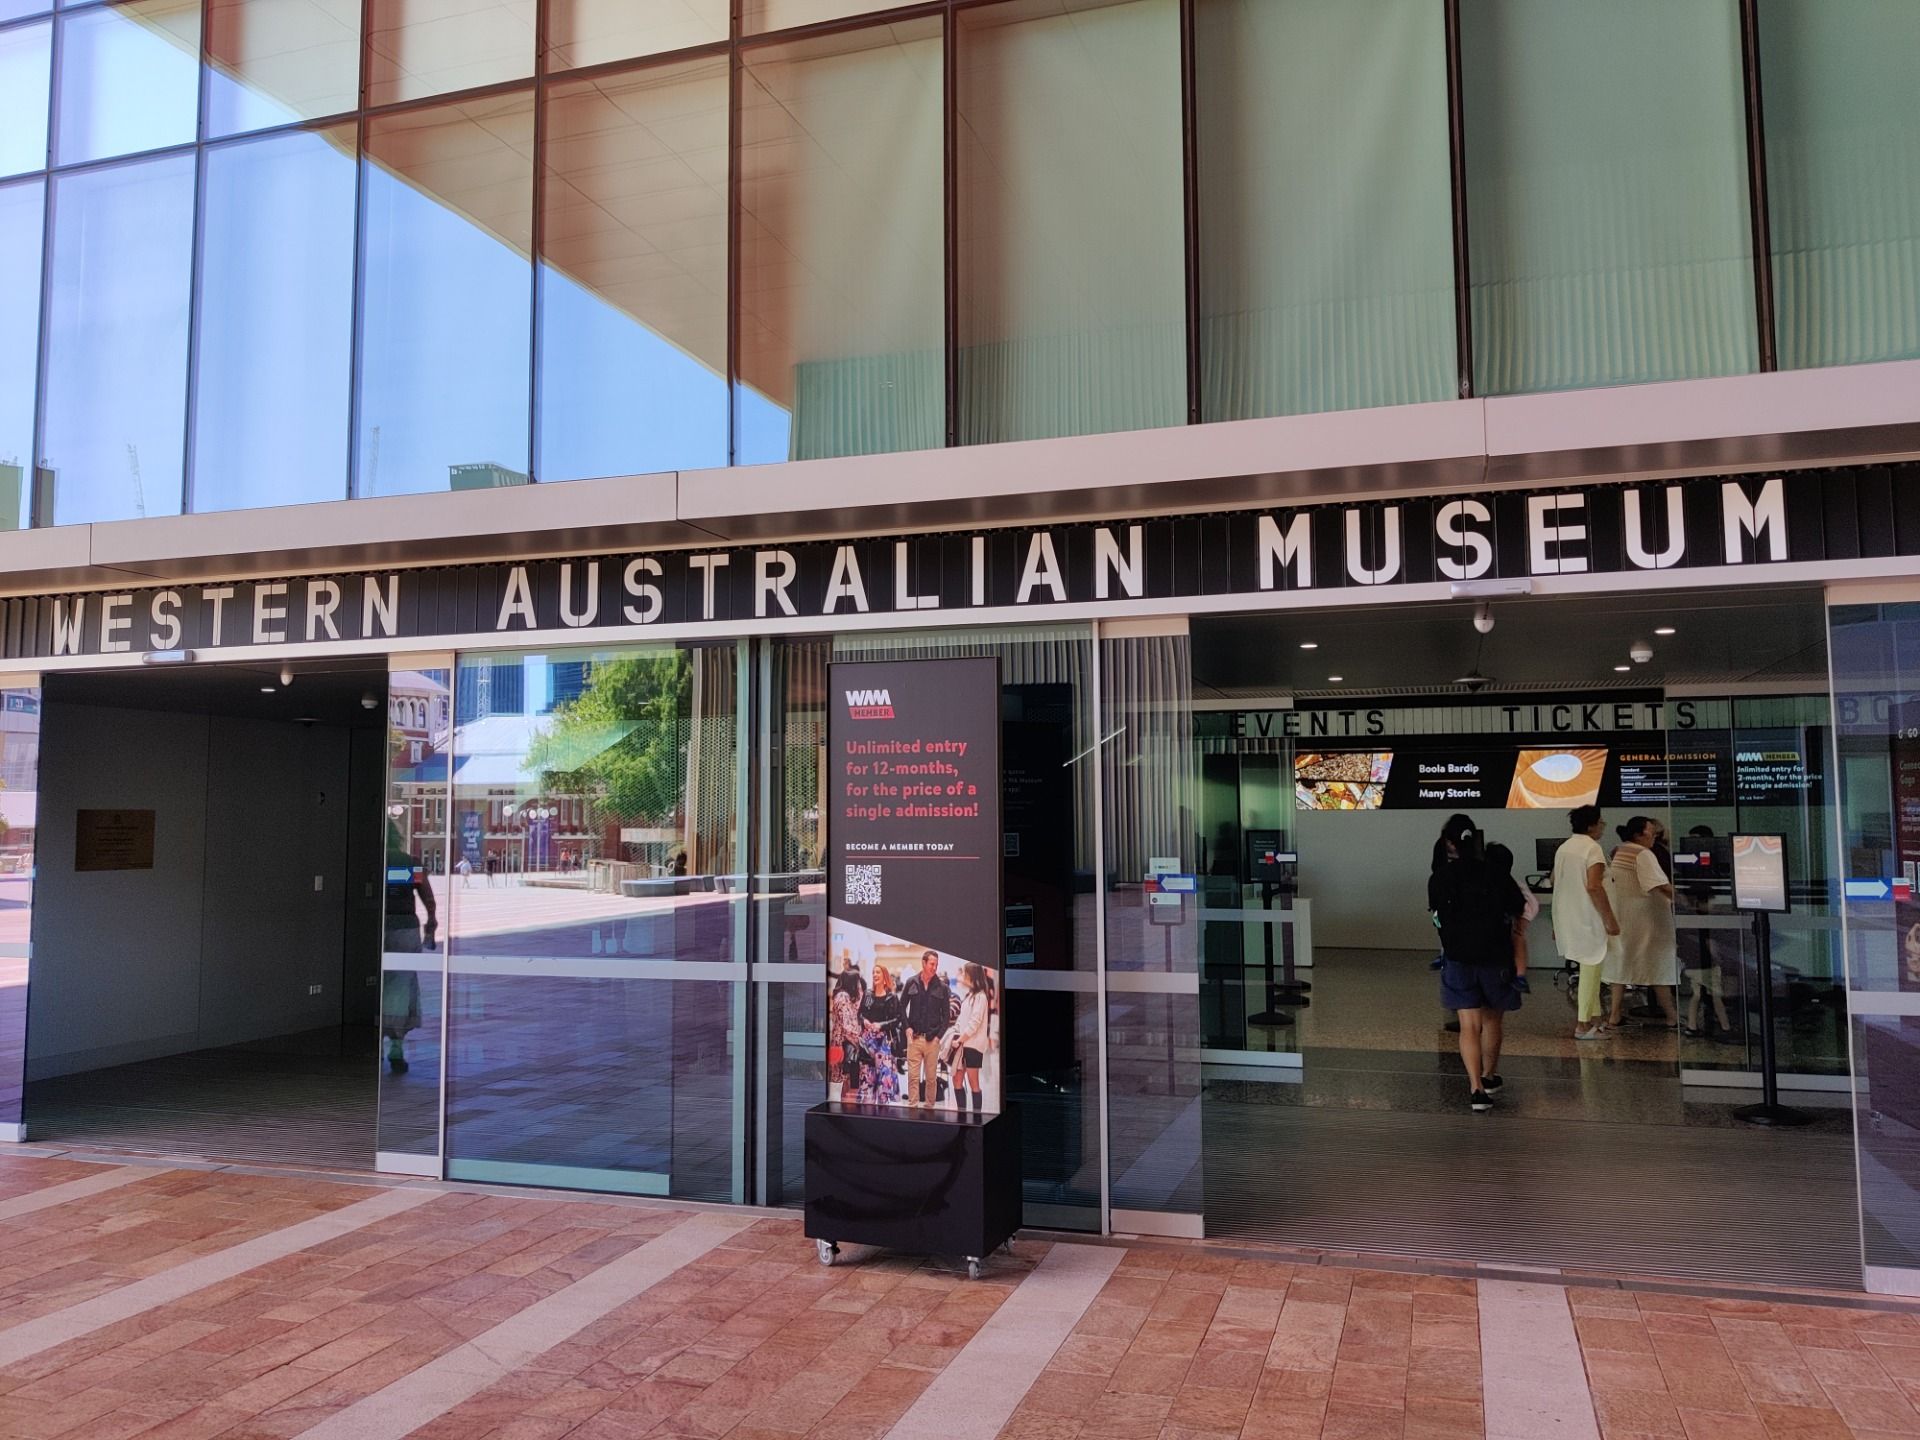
(173, 1300)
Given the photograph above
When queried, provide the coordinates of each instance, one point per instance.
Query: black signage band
(1643, 528)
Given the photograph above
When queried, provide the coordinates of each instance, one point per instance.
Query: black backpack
(1476, 905)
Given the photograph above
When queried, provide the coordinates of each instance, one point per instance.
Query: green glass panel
(1609, 234)
(1843, 177)
(1072, 310)
(1326, 240)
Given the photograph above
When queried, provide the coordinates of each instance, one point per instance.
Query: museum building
(444, 448)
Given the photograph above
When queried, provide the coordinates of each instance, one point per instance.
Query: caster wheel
(973, 1267)
(826, 1250)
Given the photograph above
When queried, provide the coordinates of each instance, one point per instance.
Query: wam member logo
(869, 705)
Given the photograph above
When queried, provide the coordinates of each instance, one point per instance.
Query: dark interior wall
(240, 928)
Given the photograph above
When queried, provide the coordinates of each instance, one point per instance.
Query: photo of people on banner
(909, 1026)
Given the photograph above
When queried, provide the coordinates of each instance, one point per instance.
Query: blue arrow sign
(1869, 889)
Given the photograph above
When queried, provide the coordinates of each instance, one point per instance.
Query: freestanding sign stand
(1760, 888)
(915, 1148)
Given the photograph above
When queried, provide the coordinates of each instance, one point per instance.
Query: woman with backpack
(1476, 907)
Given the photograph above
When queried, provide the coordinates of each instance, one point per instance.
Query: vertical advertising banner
(914, 921)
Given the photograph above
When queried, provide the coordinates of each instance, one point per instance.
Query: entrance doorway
(1333, 746)
(208, 910)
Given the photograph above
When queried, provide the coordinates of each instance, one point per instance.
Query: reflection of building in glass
(490, 688)
(419, 725)
(568, 681)
(483, 477)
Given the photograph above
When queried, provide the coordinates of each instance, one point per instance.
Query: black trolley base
(928, 1182)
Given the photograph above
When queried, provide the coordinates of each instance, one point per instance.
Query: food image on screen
(1341, 780)
(1556, 779)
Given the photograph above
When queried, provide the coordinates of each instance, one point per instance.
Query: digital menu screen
(1760, 872)
(1772, 768)
(1341, 779)
(1449, 778)
(1555, 779)
(1682, 776)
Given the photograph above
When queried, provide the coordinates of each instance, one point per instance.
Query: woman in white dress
(1645, 952)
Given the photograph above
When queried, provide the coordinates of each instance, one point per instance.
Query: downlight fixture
(1665, 630)
(286, 675)
(1483, 618)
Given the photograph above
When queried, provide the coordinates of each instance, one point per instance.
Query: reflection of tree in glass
(620, 740)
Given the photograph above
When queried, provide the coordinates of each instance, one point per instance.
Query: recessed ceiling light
(268, 689)
(1309, 644)
(1335, 679)
(1623, 669)
(1665, 630)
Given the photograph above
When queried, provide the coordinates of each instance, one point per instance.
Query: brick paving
(753, 1340)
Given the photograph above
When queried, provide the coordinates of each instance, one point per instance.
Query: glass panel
(417, 48)
(129, 79)
(1052, 1019)
(24, 75)
(1876, 702)
(1072, 302)
(116, 379)
(20, 237)
(413, 964)
(593, 32)
(633, 283)
(757, 17)
(446, 329)
(842, 315)
(1778, 748)
(1153, 939)
(1606, 193)
(790, 911)
(1305, 303)
(19, 792)
(599, 941)
(18, 9)
(276, 322)
(1843, 177)
(275, 62)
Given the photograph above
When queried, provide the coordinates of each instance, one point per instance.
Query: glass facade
(1326, 223)
(20, 770)
(599, 239)
(1843, 178)
(113, 422)
(841, 308)
(1071, 309)
(446, 297)
(1606, 193)
(25, 56)
(1876, 661)
(599, 923)
(22, 217)
(633, 273)
(129, 80)
(609, 863)
(275, 320)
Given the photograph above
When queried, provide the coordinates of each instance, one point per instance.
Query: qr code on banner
(863, 884)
